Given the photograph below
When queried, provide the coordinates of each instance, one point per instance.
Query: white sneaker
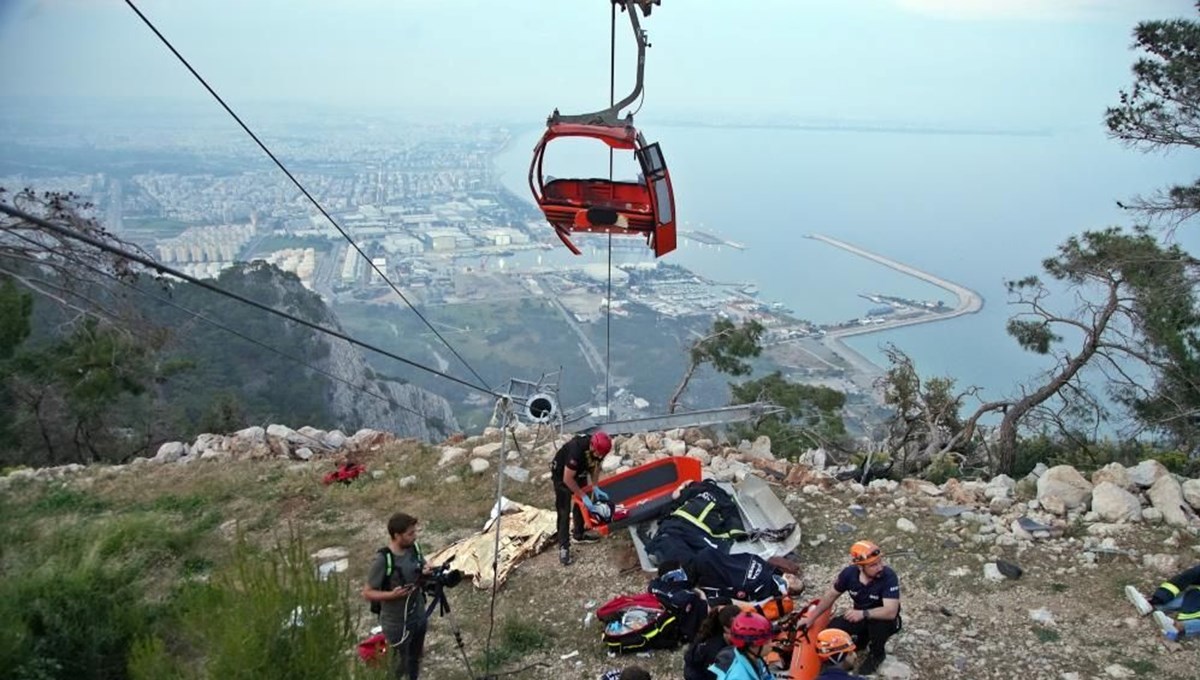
(1138, 600)
(1164, 622)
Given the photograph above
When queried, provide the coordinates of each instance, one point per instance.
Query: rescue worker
(750, 637)
(705, 516)
(836, 649)
(712, 637)
(1181, 594)
(574, 464)
(393, 583)
(875, 593)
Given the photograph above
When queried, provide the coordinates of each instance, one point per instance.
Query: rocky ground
(1076, 541)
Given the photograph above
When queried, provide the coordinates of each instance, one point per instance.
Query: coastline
(969, 302)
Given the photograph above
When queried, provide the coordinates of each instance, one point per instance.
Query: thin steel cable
(163, 269)
(612, 97)
(302, 189)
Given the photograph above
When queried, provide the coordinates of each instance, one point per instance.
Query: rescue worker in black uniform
(574, 464)
(1179, 594)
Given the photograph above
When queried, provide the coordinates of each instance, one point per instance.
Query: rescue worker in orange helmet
(875, 593)
(750, 637)
(574, 464)
(836, 649)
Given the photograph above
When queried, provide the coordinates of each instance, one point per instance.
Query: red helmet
(831, 642)
(864, 553)
(601, 444)
(750, 628)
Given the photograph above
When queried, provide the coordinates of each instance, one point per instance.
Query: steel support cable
(302, 189)
(506, 418)
(217, 324)
(163, 269)
(612, 97)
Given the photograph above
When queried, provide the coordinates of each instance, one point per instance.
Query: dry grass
(988, 632)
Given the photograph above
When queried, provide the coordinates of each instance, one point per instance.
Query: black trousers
(565, 509)
(869, 635)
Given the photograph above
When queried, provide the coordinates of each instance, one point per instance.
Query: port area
(827, 344)
(708, 239)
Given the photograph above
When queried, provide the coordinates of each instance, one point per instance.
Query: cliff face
(409, 411)
(405, 410)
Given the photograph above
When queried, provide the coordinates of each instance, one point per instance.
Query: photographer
(394, 583)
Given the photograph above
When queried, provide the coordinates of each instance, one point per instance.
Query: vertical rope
(612, 97)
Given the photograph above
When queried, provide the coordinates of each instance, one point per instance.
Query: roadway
(969, 302)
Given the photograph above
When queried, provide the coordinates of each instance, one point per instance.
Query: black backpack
(376, 605)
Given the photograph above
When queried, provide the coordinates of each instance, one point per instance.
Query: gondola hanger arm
(611, 116)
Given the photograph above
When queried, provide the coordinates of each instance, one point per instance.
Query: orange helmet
(831, 642)
(750, 628)
(864, 553)
(601, 443)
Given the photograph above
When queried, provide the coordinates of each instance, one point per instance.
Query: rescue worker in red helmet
(835, 647)
(875, 593)
(750, 637)
(574, 464)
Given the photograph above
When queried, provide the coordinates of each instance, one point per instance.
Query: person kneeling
(750, 635)
(875, 591)
(836, 650)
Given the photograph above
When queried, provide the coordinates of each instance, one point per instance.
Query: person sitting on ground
(712, 637)
(836, 650)
(631, 673)
(1180, 594)
(875, 591)
(750, 637)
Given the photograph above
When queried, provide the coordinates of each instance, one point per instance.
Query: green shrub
(63, 499)
(74, 622)
(265, 616)
(942, 468)
(517, 640)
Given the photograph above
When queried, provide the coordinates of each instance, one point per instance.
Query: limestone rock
(1167, 497)
(1191, 493)
(1112, 503)
(1062, 488)
(451, 454)
(1147, 472)
(1115, 473)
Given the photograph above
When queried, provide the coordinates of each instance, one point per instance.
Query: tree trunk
(674, 401)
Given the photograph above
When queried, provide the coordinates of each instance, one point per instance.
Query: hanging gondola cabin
(644, 208)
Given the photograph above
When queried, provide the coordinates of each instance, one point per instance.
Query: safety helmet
(832, 641)
(864, 553)
(750, 628)
(601, 443)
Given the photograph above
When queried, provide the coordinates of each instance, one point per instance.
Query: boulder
(1062, 488)
(1191, 493)
(486, 450)
(1147, 472)
(1113, 503)
(450, 455)
(1001, 486)
(610, 463)
(1115, 473)
(1167, 497)
(170, 452)
(335, 439)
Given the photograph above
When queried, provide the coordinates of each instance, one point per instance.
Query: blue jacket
(731, 664)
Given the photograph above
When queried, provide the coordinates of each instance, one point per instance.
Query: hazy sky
(981, 62)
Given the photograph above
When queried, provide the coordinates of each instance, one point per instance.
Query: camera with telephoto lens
(442, 576)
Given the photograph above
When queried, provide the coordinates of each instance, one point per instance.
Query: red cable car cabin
(602, 206)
